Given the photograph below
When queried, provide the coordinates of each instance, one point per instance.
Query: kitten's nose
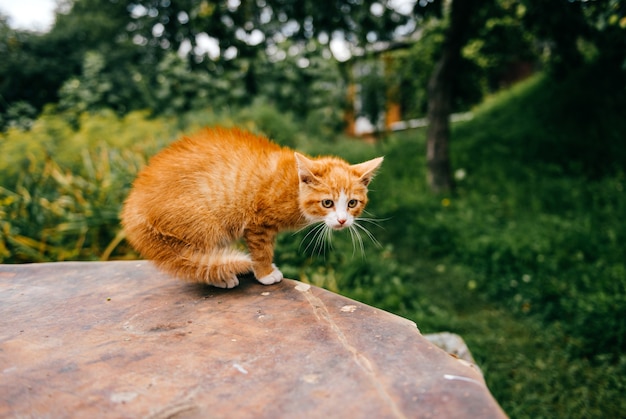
(341, 221)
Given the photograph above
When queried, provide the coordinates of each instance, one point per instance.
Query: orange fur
(206, 191)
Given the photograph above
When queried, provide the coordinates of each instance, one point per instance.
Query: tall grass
(61, 189)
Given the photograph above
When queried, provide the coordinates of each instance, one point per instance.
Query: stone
(123, 340)
(452, 344)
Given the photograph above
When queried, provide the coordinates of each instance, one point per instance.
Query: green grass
(525, 260)
(537, 295)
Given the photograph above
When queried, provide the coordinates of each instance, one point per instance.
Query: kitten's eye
(352, 203)
(327, 203)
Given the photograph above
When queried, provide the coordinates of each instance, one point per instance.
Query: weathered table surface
(120, 339)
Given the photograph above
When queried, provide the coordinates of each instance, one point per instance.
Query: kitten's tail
(218, 267)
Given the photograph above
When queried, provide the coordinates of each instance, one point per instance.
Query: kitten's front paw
(274, 277)
(226, 283)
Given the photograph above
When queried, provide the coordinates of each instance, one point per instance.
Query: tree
(440, 95)
(252, 32)
(138, 42)
(35, 66)
(571, 31)
(135, 40)
(23, 75)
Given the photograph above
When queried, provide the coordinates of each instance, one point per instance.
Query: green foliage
(301, 80)
(501, 46)
(572, 32)
(524, 260)
(132, 55)
(55, 215)
(500, 50)
(574, 127)
(34, 66)
(410, 70)
(61, 189)
(549, 236)
(19, 114)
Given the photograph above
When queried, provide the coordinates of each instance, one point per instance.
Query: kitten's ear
(305, 168)
(366, 170)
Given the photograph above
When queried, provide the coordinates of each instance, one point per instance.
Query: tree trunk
(438, 134)
(440, 97)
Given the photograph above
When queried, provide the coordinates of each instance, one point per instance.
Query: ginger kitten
(204, 192)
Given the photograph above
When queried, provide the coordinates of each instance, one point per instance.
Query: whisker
(369, 234)
(328, 236)
(311, 231)
(308, 225)
(366, 212)
(314, 233)
(354, 232)
(361, 243)
(320, 238)
(314, 228)
(319, 241)
(373, 221)
(350, 229)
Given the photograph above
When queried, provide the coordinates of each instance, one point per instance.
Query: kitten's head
(332, 190)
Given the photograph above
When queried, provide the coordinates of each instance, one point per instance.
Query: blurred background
(498, 213)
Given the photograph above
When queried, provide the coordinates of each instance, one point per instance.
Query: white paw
(231, 282)
(274, 277)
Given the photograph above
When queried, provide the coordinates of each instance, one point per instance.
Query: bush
(62, 198)
(61, 188)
